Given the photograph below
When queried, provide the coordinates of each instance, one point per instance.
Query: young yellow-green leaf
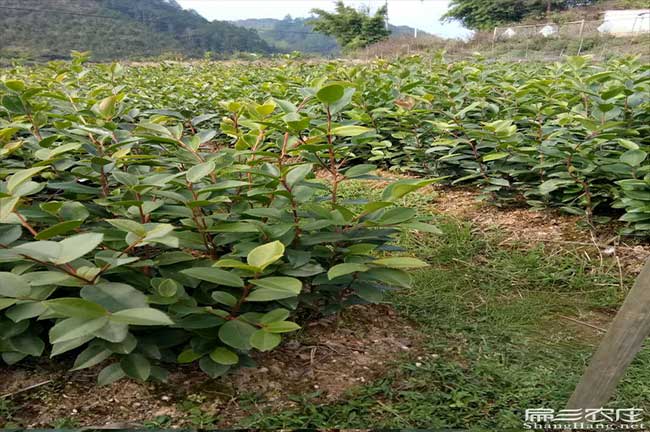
(128, 226)
(495, 156)
(401, 262)
(265, 255)
(350, 131)
(344, 269)
(188, 356)
(281, 327)
(7, 206)
(215, 276)
(106, 107)
(77, 246)
(224, 356)
(58, 229)
(265, 341)
(13, 285)
(22, 176)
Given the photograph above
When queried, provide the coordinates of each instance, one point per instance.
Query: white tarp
(626, 22)
(548, 30)
(509, 33)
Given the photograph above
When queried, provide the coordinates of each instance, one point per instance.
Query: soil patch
(324, 361)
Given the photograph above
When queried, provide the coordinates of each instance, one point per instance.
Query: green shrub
(130, 236)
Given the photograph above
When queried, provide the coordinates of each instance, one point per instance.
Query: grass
(495, 340)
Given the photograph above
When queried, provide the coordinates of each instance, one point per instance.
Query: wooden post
(494, 37)
(623, 340)
(582, 26)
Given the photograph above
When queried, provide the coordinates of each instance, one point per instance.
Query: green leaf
(281, 327)
(400, 188)
(298, 174)
(12, 285)
(198, 172)
(141, 316)
(136, 366)
(113, 332)
(106, 107)
(215, 276)
(188, 356)
(350, 131)
(22, 176)
(114, 296)
(388, 276)
(330, 94)
(495, 156)
(264, 341)
(401, 262)
(110, 374)
(224, 356)
(274, 288)
(224, 298)
(9, 233)
(42, 250)
(128, 226)
(212, 369)
(236, 334)
(344, 269)
(77, 246)
(7, 302)
(76, 307)
(73, 328)
(126, 178)
(58, 229)
(633, 157)
(550, 185)
(90, 357)
(28, 344)
(265, 255)
(7, 206)
(274, 315)
(360, 170)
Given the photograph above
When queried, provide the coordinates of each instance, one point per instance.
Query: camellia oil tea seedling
(142, 237)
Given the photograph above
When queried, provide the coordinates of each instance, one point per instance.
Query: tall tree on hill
(486, 14)
(352, 28)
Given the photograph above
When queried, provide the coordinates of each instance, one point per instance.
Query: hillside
(295, 34)
(115, 29)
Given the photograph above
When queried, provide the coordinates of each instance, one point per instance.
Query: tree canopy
(486, 14)
(352, 28)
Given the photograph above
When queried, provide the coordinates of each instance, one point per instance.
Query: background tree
(352, 28)
(485, 14)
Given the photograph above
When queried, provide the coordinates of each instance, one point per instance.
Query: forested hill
(295, 34)
(115, 29)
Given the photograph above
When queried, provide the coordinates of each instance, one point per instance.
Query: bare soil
(326, 360)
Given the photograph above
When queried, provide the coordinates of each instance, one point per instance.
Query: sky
(423, 14)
